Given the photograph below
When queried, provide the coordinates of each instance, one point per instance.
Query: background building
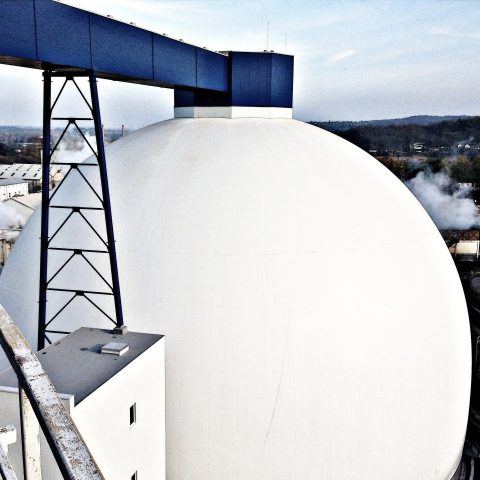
(24, 205)
(31, 173)
(12, 188)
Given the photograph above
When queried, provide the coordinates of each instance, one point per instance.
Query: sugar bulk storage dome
(316, 327)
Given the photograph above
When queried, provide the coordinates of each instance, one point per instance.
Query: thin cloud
(339, 56)
(148, 12)
(445, 31)
(448, 32)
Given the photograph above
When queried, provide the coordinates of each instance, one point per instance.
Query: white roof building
(116, 401)
(23, 171)
(12, 187)
(305, 340)
(27, 171)
(24, 205)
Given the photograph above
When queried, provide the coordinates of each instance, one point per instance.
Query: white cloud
(446, 31)
(449, 32)
(337, 57)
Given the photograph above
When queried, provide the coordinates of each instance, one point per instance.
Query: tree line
(444, 134)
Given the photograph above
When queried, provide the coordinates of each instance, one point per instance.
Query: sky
(354, 60)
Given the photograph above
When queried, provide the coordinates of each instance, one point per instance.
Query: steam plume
(9, 218)
(445, 201)
(65, 153)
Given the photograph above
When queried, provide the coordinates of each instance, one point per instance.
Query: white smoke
(65, 152)
(445, 201)
(9, 218)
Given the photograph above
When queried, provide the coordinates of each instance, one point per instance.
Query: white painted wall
(233, 112)
(7, 191)
(103, 421)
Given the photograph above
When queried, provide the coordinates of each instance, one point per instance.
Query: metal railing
(39, 402)
(8, 435)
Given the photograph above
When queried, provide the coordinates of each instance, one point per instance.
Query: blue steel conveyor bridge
(67, 43)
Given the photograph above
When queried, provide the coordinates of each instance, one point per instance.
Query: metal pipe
(30, 429)
(69, 449)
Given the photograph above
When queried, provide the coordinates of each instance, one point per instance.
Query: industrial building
(116, 399)
(20, 208)
(288, 355)
(234, 267)
(8, 237)
(12, 188)
(24, 205)
(31, 173)
(22, 171)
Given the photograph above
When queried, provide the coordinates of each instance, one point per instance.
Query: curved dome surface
(316, 327)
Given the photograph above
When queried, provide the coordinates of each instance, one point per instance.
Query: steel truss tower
(49, 322)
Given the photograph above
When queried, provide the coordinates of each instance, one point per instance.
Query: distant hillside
(441, 136)
(10, 134)
(23, 144)
(340, 126)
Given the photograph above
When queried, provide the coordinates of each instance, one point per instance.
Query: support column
(106, 200)
(47, 288)
(42, 301)
(30, 439)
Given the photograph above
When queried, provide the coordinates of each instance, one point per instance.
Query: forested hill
(338, 126)
(446, 134)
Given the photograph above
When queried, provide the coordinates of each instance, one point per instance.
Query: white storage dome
(316, 327)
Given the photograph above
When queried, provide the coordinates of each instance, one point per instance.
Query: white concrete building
(116, 401)
(12, 187)
(31, 173)
(22, 171)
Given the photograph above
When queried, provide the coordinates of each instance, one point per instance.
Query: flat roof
(76, 365)
(10, 181)
(30, 200)
(22, 171)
